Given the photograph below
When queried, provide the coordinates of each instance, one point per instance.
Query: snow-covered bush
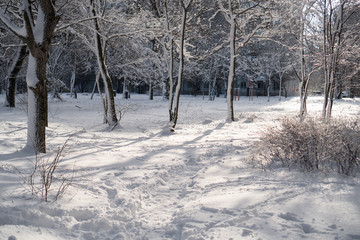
(312, 145)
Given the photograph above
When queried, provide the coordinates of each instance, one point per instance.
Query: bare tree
(334, 16)
(110, 111)
(185, 4)
(94, 16)
(14, 71)
(39, 20)
(169, 56)
(250, 18)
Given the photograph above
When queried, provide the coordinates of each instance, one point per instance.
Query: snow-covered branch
(19, 31)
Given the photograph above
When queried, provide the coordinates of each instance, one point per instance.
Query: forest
(179, 119)
(122, 45)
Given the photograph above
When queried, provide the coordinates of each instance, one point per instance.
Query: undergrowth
(311, 145)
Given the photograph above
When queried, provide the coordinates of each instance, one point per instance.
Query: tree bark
(151, 90)
(37, 117)
(170, 61)
(39, 46)
(175, 112)
(11, 86)
(332, 44)
(325, 63)
(72, 80)
(231, 77)
(109, 93)
(303, 88)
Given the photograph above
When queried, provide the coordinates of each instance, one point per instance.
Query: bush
(311, 145)
(46, 176)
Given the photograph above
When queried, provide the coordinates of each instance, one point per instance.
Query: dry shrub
(48, 176)
(311, 145)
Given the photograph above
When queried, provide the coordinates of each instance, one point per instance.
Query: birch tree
(39, 20)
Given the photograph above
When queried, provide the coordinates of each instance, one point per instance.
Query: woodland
(179, 119)
(56, 46)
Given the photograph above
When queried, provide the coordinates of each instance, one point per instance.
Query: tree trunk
(37, 95)
(171, 79)
(109, 93)
(331, 95)
(97, 82)
(325, 63)
(268, 88)
(280, 86)
(73, 77)
(151, 90)
(38, 39)
(332, 44)
(303, 89)
(11, 86)
(170, 61)
(231, 77)
(181, 69)
(39, 46)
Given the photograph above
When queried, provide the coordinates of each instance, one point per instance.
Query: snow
(21, 31)
(140, 181)
(39, 28)
(31, 80)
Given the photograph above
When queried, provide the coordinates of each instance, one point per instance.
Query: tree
(91, 30)
(14, 70)
(299, 24)
(348, 70)
(168, 54)
(250, 18)
(59, 65)
(39, 21)
(335, 14)
(174, 112)
(110, 111)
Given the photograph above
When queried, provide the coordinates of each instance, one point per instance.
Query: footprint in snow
(289, 216)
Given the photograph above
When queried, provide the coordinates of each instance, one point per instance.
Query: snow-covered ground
(140, 181)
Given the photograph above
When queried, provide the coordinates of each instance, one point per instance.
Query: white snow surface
(141, 181)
